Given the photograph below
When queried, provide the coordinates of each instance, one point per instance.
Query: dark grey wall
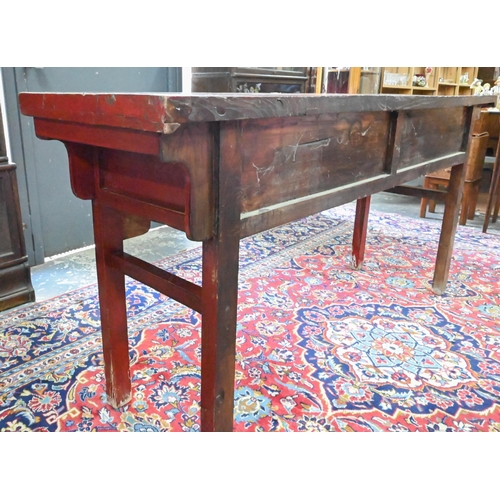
(55, 220)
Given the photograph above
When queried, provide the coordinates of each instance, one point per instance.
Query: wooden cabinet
(349, 80)
(15, 278)
(428, 80)
(247, 79)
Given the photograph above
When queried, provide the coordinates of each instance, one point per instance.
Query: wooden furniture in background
(493, 203)
(489, 121)
(354, 80)
(15, 277)
(221, 168)
(473, 175)
(248, 79)
(439, 81)
(488, 75)
(397, 80)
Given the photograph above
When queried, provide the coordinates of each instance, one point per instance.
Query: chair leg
(466, 200)
(423, 207)
(432, 206)
(424, 201)
(432, 203)
(471, 212)
(497, 209)
(494, 190)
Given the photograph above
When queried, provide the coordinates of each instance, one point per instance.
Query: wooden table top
(161, 112)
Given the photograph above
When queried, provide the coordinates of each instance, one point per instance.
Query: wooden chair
(488, 122)
(473, 174)
(493, 203)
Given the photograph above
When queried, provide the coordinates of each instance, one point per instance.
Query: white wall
(186, 80)
(4, 118)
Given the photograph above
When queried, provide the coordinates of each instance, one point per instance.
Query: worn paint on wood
(222, 167)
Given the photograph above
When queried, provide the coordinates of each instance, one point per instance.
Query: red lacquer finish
(360, 230)
(223, 167)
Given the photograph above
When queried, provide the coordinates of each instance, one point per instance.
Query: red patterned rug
(320, 347)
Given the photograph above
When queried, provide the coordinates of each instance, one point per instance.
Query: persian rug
(320, 347)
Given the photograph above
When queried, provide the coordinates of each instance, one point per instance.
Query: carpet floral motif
(320, 347)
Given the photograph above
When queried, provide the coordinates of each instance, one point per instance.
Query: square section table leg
(109, 235)
(218, 337)
(448, 229)
(359, 235)
(220, 290)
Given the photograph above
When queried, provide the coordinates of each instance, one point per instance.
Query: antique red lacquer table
(225, 166)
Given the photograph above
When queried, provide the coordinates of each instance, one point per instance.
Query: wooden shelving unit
(434, 81)
(417, 80)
